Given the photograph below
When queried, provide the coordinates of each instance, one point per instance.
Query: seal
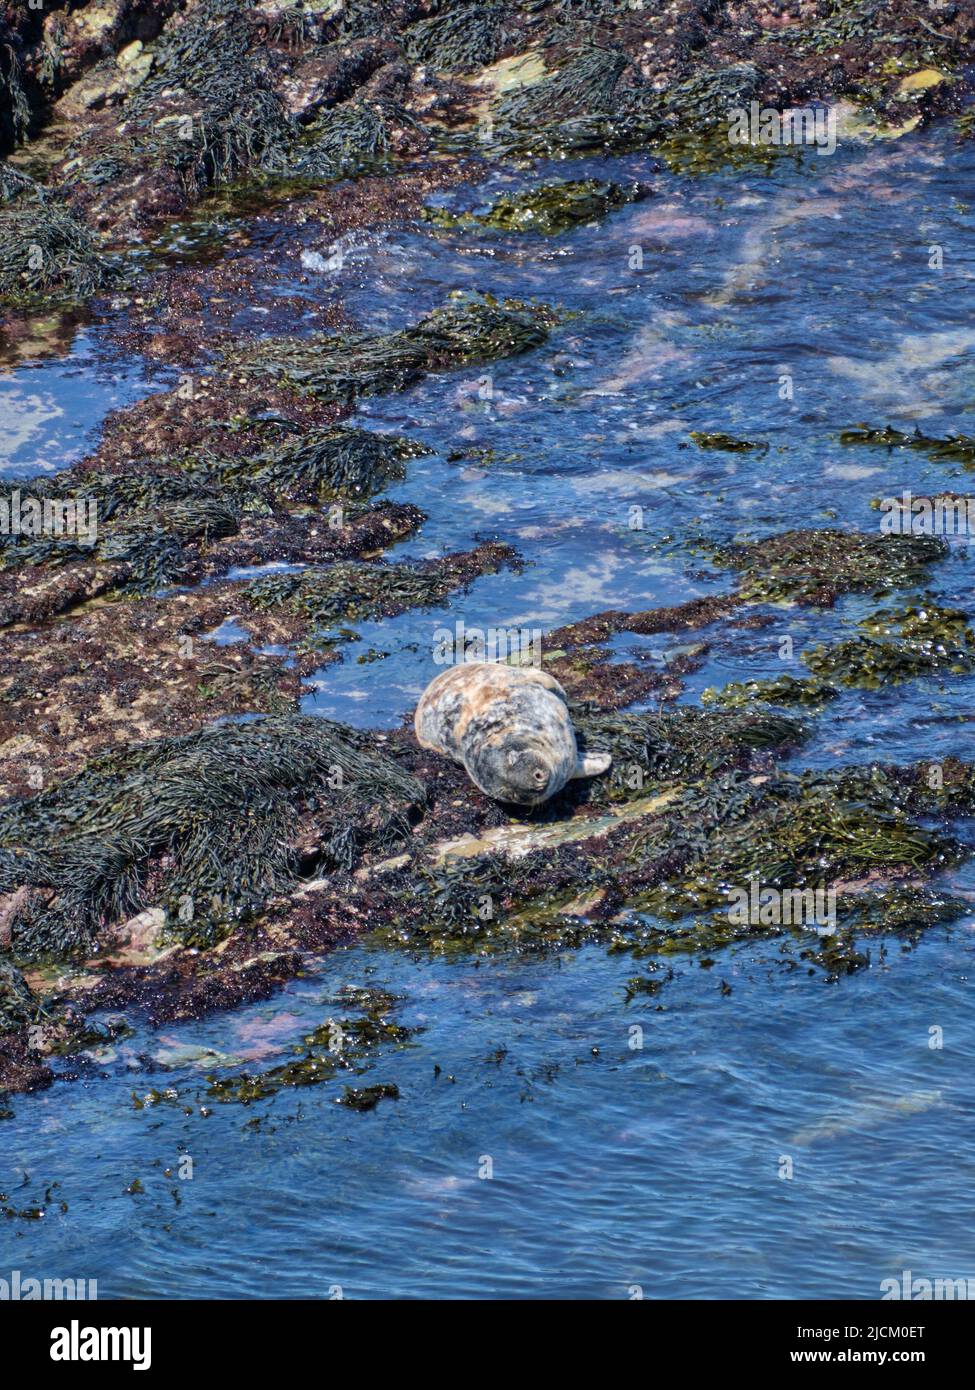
(509, 726)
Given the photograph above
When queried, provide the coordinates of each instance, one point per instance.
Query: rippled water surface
(614, 1166)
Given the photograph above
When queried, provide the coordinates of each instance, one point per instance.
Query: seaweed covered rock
(783, 690)
(952, 448)
(684, 744)
(44, 248)
(581, 105)
(15, 106)
(898, 645)
(817, 566)
(460, 37)
(334, 463)
(18, 1006)
(202, 824)
(468, 331)
(548, 209)
(356, 138)
(326, 597)
(157, 525)
(335, 1048)
(205, 111)
(135, 525)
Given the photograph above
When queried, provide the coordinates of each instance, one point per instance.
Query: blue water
(790, 1139)
(52, 404)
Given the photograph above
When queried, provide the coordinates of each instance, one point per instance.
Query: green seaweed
(815, 567)
(198, 823)
(338, 1045)
(679, 745)
(953, 448)
(208, 109)
(903, 644)
(549, 209)
(783, 690)
(368, 1097)
(15, 107)
(144, 520)
(340, 368)
(342, 462)
(45, 251)
(357, 590)
(18, 1007)
(725, 442)
(354, 138)
(460, 37)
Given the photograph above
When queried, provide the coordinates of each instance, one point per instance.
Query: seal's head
(510, 728)
(517, 769)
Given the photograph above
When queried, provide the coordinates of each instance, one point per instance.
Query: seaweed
(355, 590)
(460, 37)
(340, 462)
(807, 831)
(549, 209)
(368, 1097)
(683, 744)
(15, 107)
(918, 639)
(953, 448)
(18, 1007)
(815, 567)
(582, 106)
(783, 690)
(44, 249)
(725, 442)
(621, 887)
(199, 823)
(143, 523)
(905, 909)
(704, 98)
(334, 367)
(336, 1046)
(351, 139)
(584, 86)
(208, 109)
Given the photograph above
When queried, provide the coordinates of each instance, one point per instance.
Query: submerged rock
(548, 209)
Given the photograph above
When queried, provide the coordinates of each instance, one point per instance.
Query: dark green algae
(336, 1048)
(470, 330)
(548, 209)
(202, 823)
(818, 566)
(153, 522)
(224, 95)
(793, 831)
(46, 252)
(951, 448)
(898, 644)
(328, 597)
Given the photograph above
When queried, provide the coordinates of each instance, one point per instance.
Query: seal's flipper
(592, 764)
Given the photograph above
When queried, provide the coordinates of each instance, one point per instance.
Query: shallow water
(614, 1166)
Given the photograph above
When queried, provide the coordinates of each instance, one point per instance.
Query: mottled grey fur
(509, 726)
